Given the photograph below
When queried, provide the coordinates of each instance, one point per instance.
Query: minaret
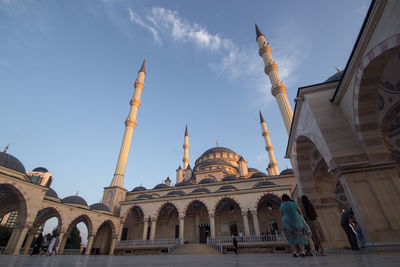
(111, 197)
(273, 165)
(278, 88)
(186, 149)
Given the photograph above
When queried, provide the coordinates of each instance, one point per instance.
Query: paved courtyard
(389, 259)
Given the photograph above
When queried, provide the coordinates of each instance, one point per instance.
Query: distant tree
(74, 239)
(5, 234)
(54, 232)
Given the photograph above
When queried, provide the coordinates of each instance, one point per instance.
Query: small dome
(335, 77)
(259, 175)
(218, 149)
(51, 193)
(139, 188)
(144, 196)
(75, 200)
(200, 191)
(207, 181)
(40, 169)
(175, 193)
(252, 170)
(160, 186)
(11, 162)
(227, 188)
(263, 184)
(229, 178)
(286, 171)
(184, 183)
(99, 206)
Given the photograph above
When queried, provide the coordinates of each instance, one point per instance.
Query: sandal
(295, 255)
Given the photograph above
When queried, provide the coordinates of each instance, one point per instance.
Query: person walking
(293, 225)
(53, 245)
(310, 215)
(235, 245)
(345, 220)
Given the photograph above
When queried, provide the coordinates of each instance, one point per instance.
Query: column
(89, 244)
(246, 224)
(28, 241)
(145, 229)
(15, 242)
(181, 227)
(112, 247)
(62, 245)
(153, 229)
(212, 225)
(60, 238)
(255, 222)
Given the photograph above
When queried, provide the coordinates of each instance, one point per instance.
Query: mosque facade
(342, 142)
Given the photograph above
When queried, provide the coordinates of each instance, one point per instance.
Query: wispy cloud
(234, 60)
(135, 18)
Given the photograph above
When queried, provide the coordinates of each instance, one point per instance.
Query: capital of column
(271, 67)
(265, 133)
(265, 49)
(135, 102)
(139, 85)
(130, 122)
(268, 148)
(253, 212)
(211, 215)
(281, 88)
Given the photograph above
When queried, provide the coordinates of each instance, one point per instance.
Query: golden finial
(337, 69)
(217, 142)
(6, 148)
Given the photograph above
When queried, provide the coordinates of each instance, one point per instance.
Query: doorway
(204, 232)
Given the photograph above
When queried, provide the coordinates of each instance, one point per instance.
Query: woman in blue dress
(293, 225)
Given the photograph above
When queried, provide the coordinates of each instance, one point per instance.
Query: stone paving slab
(231, 260)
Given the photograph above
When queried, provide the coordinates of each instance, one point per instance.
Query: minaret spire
(186, 149)
(273, 165)
(278, 88)
(130, 124)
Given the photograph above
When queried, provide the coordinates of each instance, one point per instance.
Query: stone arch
(167, 221)
(233, 198)
(103, 238)
(125, 215)
(46, 213)
(15, 199)
(268, 214)
(81, 218)
(271, 196)
(366, 97)
(133, 223)
(197, 221)
(157, 212)
(229, 213)
(187, 205)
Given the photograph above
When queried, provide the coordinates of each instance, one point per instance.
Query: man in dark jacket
(235, 242)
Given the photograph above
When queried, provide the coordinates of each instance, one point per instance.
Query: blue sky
(67, 70)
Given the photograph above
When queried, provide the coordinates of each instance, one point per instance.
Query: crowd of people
(304, 233)
(46, 245)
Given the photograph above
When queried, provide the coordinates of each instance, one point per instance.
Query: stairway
(194, 249)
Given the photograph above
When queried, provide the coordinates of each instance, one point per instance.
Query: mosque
(342, 142)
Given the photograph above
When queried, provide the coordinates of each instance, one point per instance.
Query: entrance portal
(204, 232)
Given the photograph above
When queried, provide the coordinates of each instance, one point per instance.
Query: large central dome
(218, 157)
(218, 149)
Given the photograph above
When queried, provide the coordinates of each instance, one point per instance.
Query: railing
(72, 252)
(143, 243)
(173, 247)
(2, 250)
(214, 245)
(249, 239)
